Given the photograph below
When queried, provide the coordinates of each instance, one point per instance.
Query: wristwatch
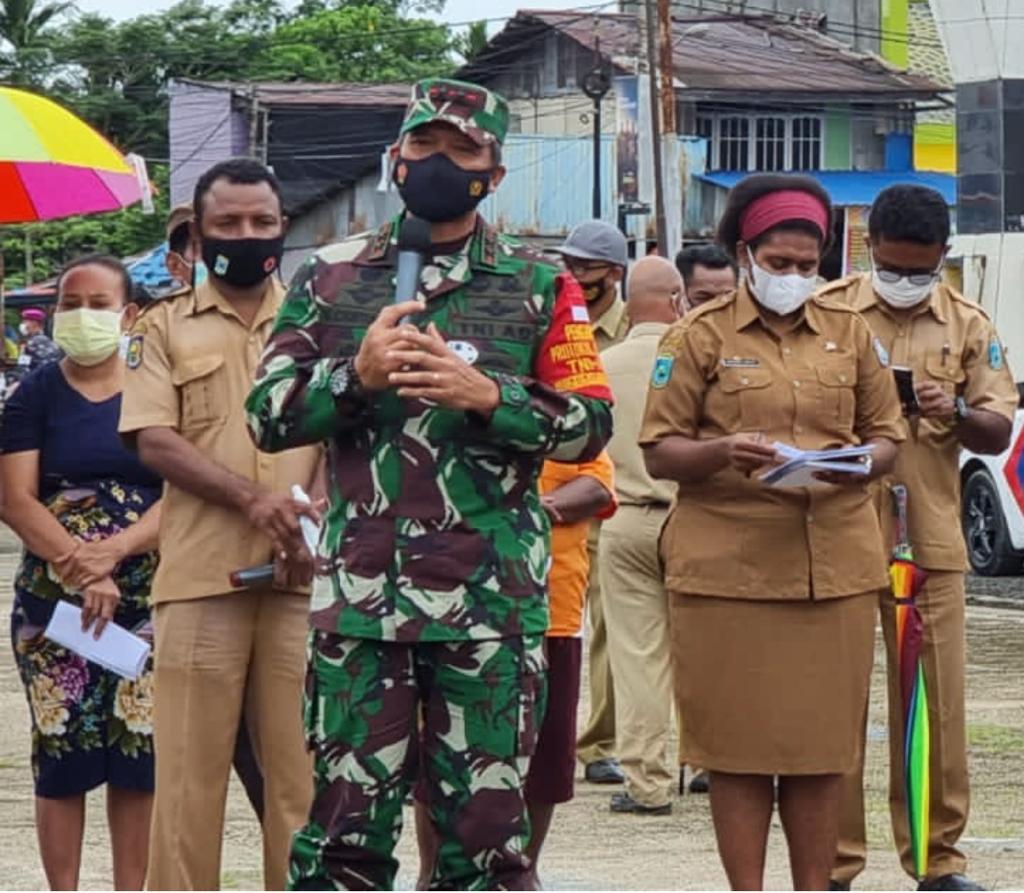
(344, 381)
(961, 411)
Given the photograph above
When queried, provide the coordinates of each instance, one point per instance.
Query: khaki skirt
(772, 687)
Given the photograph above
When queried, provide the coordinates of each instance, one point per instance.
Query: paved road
(590, 848)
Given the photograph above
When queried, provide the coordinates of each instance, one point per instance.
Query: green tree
(22, 22)
(472, 41)
(356, 42)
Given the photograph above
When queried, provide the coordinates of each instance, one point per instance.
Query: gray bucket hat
(596, 240)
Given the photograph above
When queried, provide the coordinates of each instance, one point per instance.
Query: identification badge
(662, 372)
(881, 352)
(740, 362)
(133, 356)
(995, 354)
(580, 314)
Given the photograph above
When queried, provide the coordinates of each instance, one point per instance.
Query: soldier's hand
(374, 362)
(429, 370)
(747, 452)
(935, 403)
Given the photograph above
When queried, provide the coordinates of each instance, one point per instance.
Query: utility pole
(651, 21)
(254, 123)
(666, 68)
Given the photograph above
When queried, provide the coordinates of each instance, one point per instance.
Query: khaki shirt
(191, 364)
(611, 326)
(720, 371)
(628, 366)
(950, 340)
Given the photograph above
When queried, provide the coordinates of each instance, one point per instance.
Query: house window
(733, 144)
(762, 142)
(806, 144)
(770, 144)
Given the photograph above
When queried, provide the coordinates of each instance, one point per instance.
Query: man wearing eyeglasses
(596, 254)
(967, 398)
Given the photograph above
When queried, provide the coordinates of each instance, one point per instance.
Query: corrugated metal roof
(855, 187)
(277, 93)
(721, 54)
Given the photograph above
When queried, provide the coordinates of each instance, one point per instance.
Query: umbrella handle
(899, 508)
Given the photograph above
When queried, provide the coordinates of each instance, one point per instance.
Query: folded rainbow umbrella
(53, 164)
(907, 579)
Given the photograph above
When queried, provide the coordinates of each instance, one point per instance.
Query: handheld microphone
(413, 249)
(261, 575)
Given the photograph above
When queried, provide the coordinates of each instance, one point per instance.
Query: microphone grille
(414, 235)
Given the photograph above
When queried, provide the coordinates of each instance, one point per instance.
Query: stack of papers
(116, 649)
(800, 466)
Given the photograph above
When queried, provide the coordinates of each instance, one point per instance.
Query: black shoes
(838, 885)
(699, 784)
(606, 771)
(625, 803)
(949, 882)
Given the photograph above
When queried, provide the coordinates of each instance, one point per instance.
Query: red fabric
(781, 207)
(568, 359)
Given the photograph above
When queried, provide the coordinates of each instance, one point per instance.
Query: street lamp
(596, 84)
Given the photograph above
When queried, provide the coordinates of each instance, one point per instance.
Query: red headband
(780, 207)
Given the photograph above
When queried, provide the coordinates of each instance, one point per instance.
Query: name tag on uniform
(740, 362)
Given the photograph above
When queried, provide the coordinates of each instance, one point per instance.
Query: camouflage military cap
(479, 113)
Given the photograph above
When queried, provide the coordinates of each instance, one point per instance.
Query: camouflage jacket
(435, 530)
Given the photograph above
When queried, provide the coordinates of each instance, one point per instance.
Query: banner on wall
(626, 139)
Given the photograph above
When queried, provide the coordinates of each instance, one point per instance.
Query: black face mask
(242, 262)
(437, 189)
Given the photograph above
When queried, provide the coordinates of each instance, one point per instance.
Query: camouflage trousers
(481, 704)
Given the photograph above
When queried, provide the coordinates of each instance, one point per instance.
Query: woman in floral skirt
(87, 512)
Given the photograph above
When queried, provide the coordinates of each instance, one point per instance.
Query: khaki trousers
(211, 655)
(941, 603)
(640, 650)
(597, 741)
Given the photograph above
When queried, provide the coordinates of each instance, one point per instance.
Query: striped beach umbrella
(907, 579)
(53, 164)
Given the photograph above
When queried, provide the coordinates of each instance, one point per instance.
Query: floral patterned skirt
(89, 726)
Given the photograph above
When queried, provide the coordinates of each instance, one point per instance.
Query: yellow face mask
(88, 337)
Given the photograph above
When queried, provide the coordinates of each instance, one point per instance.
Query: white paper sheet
(117, 650)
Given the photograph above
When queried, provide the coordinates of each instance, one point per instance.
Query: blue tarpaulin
(854, 187)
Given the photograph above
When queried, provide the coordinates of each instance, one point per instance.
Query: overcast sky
(455, 10)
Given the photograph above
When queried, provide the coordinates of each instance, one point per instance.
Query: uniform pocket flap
(196, 368)
(948, 371)
(843, 376)
(731, 379)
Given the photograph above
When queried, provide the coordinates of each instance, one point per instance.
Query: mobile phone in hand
(904, 376)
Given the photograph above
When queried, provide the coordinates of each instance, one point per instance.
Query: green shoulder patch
(133, 358)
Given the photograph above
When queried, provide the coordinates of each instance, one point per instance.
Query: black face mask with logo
(242, 262)
(436, 189)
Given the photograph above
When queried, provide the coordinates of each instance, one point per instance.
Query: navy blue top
(77, 439)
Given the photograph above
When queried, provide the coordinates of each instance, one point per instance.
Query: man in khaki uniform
(596, 253)
(967, 398)
(635, 604)
(226, 506)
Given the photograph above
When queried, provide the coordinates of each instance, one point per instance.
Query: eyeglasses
(893, 276)
(585, 266)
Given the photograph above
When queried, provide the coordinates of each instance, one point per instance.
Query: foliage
(473, 41)
(116, 76)
(121, 233)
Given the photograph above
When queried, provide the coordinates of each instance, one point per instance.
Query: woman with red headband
(773, 590)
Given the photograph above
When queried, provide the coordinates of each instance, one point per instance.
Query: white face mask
(902, 294)
(781, 294)
(88, 337)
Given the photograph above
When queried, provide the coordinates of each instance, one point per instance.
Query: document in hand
(800, 466)
(116, 649)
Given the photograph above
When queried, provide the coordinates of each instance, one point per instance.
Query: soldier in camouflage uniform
(430, 589)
